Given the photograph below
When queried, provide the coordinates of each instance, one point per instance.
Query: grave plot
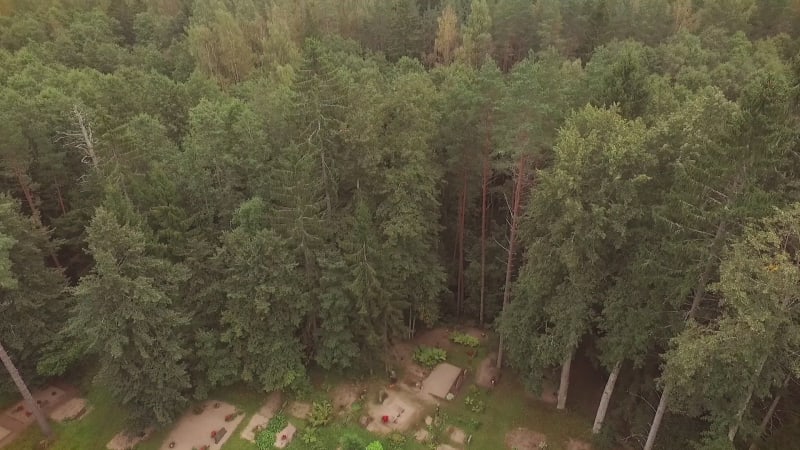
(397, 412)
(444, 379)
(261, 418)
(45, 398)
(125, 441)
(205, 427)
(299, 410)
(73, 409)
(285, 436)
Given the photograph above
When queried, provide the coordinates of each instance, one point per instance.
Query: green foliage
(464, 339)
(236, 189)
(352, 441)
(374, 445)
(429, 356)
(321, 413)
(473, 400)
(266, 438)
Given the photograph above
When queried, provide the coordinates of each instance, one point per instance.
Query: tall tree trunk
(512, 241)
(662, 408)
(606, 398)
(60, 199)
(705, 276)
(740, 413)
(35, 213)
(26, 394)
(484, 189)
(770, 412)
(462, 213)
(736, 187)
(563, 386)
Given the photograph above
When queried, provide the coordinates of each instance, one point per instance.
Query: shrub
(375, 445)
(265, 439)
(464, 339)
(429, 356)
(321, 413)
(311, 441)
(352, 441)
(475, 404)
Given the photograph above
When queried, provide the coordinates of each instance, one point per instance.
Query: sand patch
(422, 435)
(458, 435)
(399, 408)
(45, 398)
(4, 433)
(256, 424)
(272, 405)
(575, 444)
(524, 439)
(195, 430)
(486, 371)
(262, 417)
(73, 409)
(345, 395)
(300, 410)
(124, 441)
(446, 447)
(285, 437)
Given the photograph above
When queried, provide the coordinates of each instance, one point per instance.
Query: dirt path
(486, 370)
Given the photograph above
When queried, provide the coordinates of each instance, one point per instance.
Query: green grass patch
(505, 408)
(92, 432)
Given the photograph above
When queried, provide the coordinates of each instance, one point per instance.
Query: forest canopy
(198, 193)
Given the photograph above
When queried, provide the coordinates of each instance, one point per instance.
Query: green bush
(310, 440)
(351, 441)
(464, 339)
(265, 439)
(321, 413)
(474, 401)
(375, 445)
(429, 356)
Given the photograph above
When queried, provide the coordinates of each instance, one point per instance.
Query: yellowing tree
(447, 37)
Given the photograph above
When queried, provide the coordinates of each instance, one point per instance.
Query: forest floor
(495, 418)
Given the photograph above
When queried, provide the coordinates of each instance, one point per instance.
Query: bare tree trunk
(768, 416)
(60, 199)
(563, 386)
(35, 213)
(26, 394)
(740, 413)
(662, 408)
(512, 241)
(606, 398)
(484, 189)
(462, 213)
(716, 247)
(87, 137)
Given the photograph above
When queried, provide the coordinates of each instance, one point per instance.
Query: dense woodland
(198, 193)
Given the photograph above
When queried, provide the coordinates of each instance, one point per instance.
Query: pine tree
(33, 305)
(125, 313)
